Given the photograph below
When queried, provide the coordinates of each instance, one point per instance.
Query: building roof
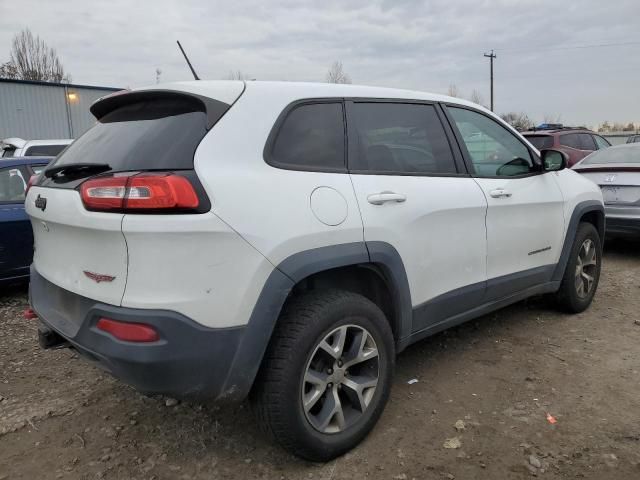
(55, 84)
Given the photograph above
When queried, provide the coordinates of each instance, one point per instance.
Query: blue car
(16, 236)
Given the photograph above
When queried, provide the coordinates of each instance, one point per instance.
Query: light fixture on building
(72, 96)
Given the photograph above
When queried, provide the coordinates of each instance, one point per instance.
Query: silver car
(617, 171)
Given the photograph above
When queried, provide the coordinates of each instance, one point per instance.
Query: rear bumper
(623, 226)
(188, 360)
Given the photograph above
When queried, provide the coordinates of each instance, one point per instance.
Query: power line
(569, 47)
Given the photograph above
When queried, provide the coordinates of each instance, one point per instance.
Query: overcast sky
(422, 45)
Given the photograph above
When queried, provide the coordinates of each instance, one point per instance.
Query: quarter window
(493, 149)
(311, 137)
(400, 138)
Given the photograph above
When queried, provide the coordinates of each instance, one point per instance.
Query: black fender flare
(257, 333)
(579, 211)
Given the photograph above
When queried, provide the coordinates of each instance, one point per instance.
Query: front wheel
(326, 375)
(582, 273)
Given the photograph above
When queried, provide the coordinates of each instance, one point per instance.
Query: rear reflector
(142, 191)
(128, 332)
(29, 314)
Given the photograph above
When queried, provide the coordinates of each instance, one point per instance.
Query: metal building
(41, 110)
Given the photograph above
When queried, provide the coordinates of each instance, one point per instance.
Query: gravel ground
(478, 410)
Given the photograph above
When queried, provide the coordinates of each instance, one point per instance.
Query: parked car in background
(577, 143)
(165, 253)
(617, 171)
(17, 147)
(633, 139)
(16, 237)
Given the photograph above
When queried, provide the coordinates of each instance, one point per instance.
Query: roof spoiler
(214, 109)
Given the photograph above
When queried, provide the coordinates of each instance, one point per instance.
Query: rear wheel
(327, 373)
(582, 274)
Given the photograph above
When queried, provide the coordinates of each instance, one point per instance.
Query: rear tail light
(142, 191)
(32, 180)
(127, 331)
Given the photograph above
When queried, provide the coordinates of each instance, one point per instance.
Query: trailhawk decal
(98, 277)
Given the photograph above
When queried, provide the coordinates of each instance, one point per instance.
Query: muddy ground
(500, 375)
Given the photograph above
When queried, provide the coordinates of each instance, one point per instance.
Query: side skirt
(485, 308)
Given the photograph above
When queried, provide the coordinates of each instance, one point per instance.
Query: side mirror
(553, 160)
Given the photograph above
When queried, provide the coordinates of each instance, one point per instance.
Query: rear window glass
(44, 150)
(311, 137)
(540, 141)
(621, 154)
(154, 134)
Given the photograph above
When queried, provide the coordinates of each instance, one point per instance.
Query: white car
(284, 241)
(17, 147)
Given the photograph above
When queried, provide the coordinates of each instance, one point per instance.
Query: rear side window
(44, 150)
(310, 138)
(154, 134)
(398, 138)
(570, 140)
(540, 141)
(12, 185)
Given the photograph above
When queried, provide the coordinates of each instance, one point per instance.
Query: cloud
(424, 45)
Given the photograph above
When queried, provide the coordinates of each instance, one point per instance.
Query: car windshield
(624, 154)
(540, 141)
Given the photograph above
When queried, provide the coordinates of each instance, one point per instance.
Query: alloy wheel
(340, 379)
(586, 268)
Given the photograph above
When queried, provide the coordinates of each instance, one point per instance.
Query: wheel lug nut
(329, 371)
(339, 363)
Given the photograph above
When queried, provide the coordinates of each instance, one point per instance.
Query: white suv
(284, 241)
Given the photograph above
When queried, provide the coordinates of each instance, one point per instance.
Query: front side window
(601, 142)
(586, 142)
(400, 138)
(12, 185)
(311, 137)
(493, 149)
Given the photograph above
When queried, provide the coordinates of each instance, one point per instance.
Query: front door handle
(500, 193)
(384, 197)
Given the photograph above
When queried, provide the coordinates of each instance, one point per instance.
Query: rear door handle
(500, 193)
(384, 197)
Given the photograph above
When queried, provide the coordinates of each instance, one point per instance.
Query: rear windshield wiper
(76, 168)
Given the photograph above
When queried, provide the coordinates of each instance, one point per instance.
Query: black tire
(277, 396)
(569, 297)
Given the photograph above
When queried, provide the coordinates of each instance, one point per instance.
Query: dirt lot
(500, 375)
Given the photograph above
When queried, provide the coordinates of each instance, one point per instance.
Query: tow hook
(48, 339)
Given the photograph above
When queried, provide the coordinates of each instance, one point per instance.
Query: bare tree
(476, 97)
(238, 75)
(552, 118)
(158, 74)
(519, 121)
(453, 90)
(32, 59)
(336, 74)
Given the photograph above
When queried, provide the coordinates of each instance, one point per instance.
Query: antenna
(195, 75)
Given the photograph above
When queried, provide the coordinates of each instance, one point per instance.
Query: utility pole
(491, 56)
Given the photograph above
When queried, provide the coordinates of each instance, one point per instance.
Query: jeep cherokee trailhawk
(284, 241)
